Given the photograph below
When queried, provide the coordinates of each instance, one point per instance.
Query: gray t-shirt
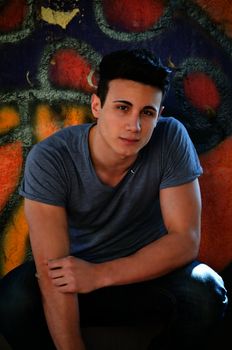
(104, 222)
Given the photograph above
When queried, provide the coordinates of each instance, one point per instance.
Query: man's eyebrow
(150, 107)
(130, 104)
(123, 101)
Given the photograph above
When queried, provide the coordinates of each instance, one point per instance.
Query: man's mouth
(129, 139)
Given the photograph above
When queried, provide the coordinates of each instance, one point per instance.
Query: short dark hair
(139, 65)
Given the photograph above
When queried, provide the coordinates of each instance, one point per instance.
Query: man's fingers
(56, 273)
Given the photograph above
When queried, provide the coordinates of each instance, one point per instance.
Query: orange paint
(216, 188)
(15, 241)
(74, 115)
(11, 159)
(46, 122)
(9, 119)
(220, 11)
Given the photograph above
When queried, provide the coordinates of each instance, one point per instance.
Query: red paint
(220, 11)
(12, 14)
(133, 15)
(11, 159)
(69, 69)
(216, 189)
(201, 91)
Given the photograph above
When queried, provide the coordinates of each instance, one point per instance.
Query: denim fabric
(187, 303)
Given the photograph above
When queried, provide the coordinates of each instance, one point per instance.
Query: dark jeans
(187, 303)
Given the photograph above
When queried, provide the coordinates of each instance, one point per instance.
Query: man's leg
(23, 324)
(201, 302)
(22, 321)
(137, 304)
(185, 304)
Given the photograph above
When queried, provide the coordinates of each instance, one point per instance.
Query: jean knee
(19, 293)
(201, 297)
(210, 286)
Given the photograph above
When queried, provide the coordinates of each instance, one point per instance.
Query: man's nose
(134, 122)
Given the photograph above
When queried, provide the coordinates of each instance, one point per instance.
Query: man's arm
(49, 240)
(181, 210)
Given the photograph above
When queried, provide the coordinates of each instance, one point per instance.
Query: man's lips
(129, 140)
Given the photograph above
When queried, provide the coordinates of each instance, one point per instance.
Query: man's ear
(95, 105)
(161, 110)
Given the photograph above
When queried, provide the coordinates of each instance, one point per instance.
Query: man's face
(128, 117)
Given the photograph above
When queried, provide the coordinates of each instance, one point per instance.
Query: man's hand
(73, 275)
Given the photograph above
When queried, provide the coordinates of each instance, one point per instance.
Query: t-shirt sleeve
(180, 161)
(44, 178)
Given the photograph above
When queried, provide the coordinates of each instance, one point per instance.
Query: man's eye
(149, 113)
(122, 108)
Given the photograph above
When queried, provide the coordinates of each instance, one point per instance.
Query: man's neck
(110, 168)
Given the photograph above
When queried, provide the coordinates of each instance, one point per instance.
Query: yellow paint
(60, 18)
(74, 115)
(15, 241)
(9, 119)
(46, 124)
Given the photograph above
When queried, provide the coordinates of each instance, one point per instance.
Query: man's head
(138, 65)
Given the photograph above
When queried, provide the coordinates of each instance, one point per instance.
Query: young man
(114, 211)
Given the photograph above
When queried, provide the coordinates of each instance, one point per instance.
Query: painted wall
(48, 54)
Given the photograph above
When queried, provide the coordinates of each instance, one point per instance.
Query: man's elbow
(194, 245)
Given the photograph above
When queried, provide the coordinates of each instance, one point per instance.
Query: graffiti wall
(49, 50)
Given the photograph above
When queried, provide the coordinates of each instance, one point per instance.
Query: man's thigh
(138, 304)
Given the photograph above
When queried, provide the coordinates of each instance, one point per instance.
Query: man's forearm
(154, 260)
(62, 316)
(49, 239)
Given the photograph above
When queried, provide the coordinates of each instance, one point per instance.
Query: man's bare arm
(49, 240)
(181, 210)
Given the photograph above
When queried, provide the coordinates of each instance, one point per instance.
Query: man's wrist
(104, 274)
